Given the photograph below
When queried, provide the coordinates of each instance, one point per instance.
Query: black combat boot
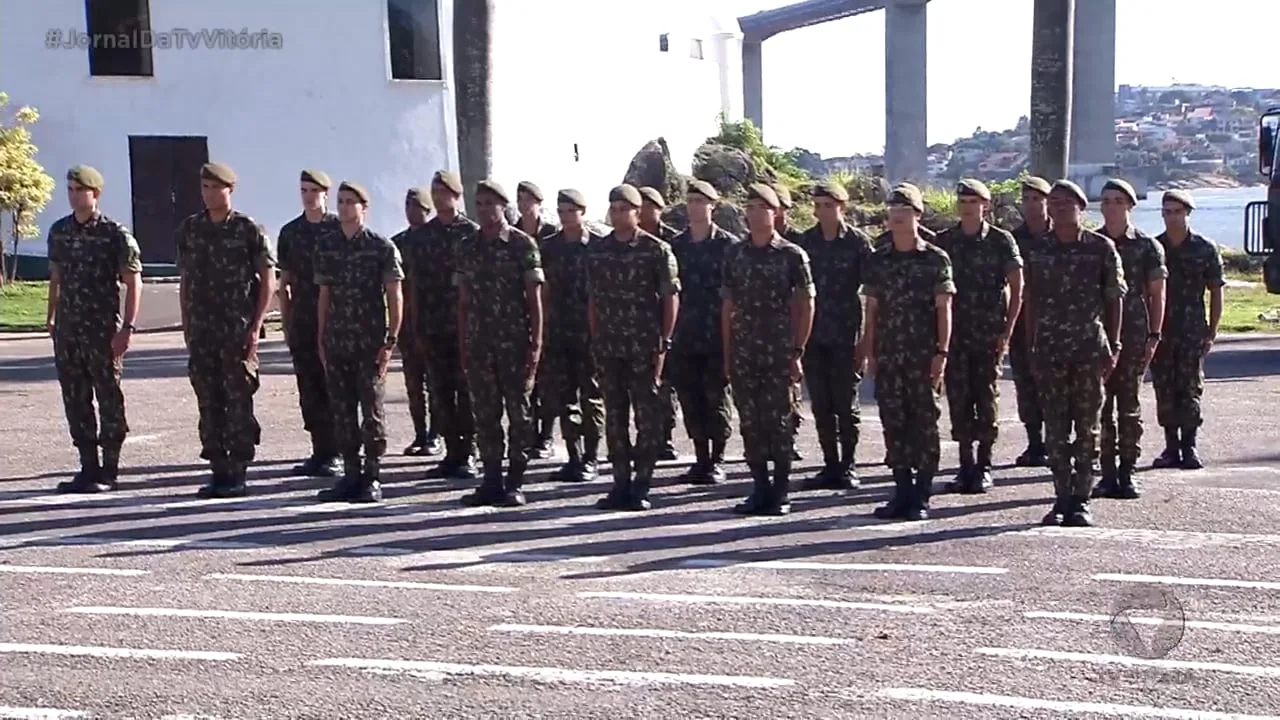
(848, 474)
(968, 468)
(513, 484)
(451, 461)
(110, 477)
(1172, 455)
(715, 473)
(668, 450)
(219, 477)
(619, 497)
(780, 492)
(698, 472)
(434, 445)
(1108, 486)
(981, 478)
(923, 487)
(638, 497)
(903, 497)
(347, 487)
(761, 495)
(419, 444)
(1034, 455)
(1125, 489)
(492, 490)
(540, 446)
(1078, 514)
(370, 488)
(465, 469)
(590, 458)
(571, 471)
(237, 474)
(829, 477)
(323, 462)
(89, 479)
(1190, 456)
(1061, 498)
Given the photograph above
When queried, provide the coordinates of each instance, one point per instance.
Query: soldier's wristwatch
(130, 327)
(1116, 347)
(797, 353)
(391, 341)
(664, 345)
(1154, 336)
(940, 352)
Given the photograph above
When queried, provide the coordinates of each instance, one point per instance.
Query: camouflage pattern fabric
(568, 369)
(1020, 361)
(543, 413)
(1177, 371)
(413, 365)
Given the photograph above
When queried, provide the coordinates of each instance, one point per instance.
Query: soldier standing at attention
(361, 309)
(426, 441)
(909, 289)
(433, 308)
(633, 286)
(297, 247)
(227, 279)
(1177, 372)
(1142, 261)
(89, 256)
(499, 281)
(529, 202)
(568, 370)
(1032, 236)
(838, 254)
(765, 321)
(1074, 299)
(791, 234)
(696, 364)
(987, 269)
(651, 222)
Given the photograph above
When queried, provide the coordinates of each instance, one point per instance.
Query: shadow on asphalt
(142, 364)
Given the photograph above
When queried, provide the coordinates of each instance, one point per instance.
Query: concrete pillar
(753, 81)
(472, 86)
(906, 145)
(1093, 116)
(1051, 72)
(727, 49)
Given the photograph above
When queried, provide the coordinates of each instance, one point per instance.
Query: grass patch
(1249, 308)
(23, 306)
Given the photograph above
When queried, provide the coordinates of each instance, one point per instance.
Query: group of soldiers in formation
(540, 322)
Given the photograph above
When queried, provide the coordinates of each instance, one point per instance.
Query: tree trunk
(473, 84)
(1053, 31)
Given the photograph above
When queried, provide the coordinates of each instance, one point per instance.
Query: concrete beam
(753, 82)
(1051, 80)
(765, 24)
(1093, 116)
(906, 144)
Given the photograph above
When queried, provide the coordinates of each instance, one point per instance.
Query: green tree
(25, 188)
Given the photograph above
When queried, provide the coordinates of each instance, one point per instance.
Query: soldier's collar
(776, 241)
(635, 237)
(93, 218)
(504, 235)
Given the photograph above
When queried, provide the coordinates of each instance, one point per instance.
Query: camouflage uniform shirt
(297, 249)
(761, 281)
(496, 272)
(90, 257)
(1194, 268)
(430, 263)
(220, 262)
(1142, 259)
(356, 270)
(979, 264)
(839, 266)
(701, 267)
(905, 286)
(1071, 283)
(564, 262)
(625, 282)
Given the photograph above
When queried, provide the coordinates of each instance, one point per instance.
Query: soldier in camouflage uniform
(499, 279)
(1143, 264)
(633, 286)
(1032, 236)
(432, 299)
(696, 366)
(838, 254)
(651, 222)
(297, 247)
(227, 279)
(89, 256)
(791, 234)
(1177, 371)
(909, 289)
(361, 309)
(987, 269)
(1073, 300)
(529, 201)
(568, 369)
(413, 362)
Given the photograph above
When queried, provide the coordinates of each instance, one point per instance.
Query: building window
(664, 43)
(118, 33)
(413, 34)
(695, 49)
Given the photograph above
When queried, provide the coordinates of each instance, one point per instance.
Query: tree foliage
(25, 187)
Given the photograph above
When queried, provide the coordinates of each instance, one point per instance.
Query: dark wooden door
(165, 175)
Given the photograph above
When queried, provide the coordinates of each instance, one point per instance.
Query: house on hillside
(148, 90)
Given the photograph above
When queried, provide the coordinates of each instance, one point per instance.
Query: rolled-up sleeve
(728, 274)
(668, 272)
(263, 258)
(1113, 284)
(1011, 257)
(129, 259)
(802, 285)
(392, 265)
(944, 283)
(531, 263)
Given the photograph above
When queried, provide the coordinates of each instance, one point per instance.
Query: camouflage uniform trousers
(1071, 400)
(356, 390)
(1177, 374)
(704, 394)
(450, 394)
(628, 387)
(499, 383)
(1122, 410)
(833, 398)
(568, 376)
(224, 383)
(909, 412)
(1024, 381)
(766, 401)
(667, 393)
(313, 390)
(972, 396)
(414, 368)
(86, 370)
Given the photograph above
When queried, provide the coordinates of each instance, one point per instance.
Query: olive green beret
(651, 195)
(831, 190)
(86, 176)
(907, 194)
(572, 197)
(420, 196)
(524, 186)
(448, 180)
(1037, 184)
(973, 188)
(783, 194)
(1179, 196)
(703, 188)
(493, 188)
(1072, 190)
(627, 194)
(218, 172)
(316, 177)
(765, 194)
(355, 189)
(1123, 187)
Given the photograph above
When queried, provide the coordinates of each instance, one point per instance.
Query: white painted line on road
(237, 615)
(135, 439)
(1060, 706)
(1094, 659)
(1195, 624)
(112, 652)
(1174, 580)
(46, 570)
(864, 567)
(1168, 539)
(398, 584)
(554, 675)
(20, 713)
(154, 543)
(671, 634)
(738, 600)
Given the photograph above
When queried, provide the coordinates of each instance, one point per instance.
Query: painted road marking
(21, 713)
(47, 570)
(112, 652)
(438, 670)
(1060, 706)
(863, 567)
(136, 439)
(1175, 580)
(1195, 624)
(1168, 539)
(738, 600)
(237, 615)
(667, 634)
(1095, 659)
(398, 584)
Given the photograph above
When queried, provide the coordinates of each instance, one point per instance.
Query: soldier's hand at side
(1149, 352)
(936, 369)
(49, 325)
(1108, 365)
(120, 343)
(324, 358)
(384, 360)
(531, 365)
(659, 362)
(797, 370)
(251, 345)
(1002, 349)
(1209, 341)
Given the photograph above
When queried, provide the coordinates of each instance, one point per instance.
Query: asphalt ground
(151, 603)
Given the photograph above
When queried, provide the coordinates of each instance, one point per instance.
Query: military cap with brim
(86, 176)
(493, 188)
(1038, 184)
(969, 187)
(1179, 196)
(830, 189)
(448, 180)
(906, 194)
(784, 195)
(765, 194)
(524, 186)
(1123, 187)
(316, 177)
(1071, 190)
(627, 194)
(703, 188)
(218, 172)
(355, 189)
(420, 196)
(572, 197)
(651, 195)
